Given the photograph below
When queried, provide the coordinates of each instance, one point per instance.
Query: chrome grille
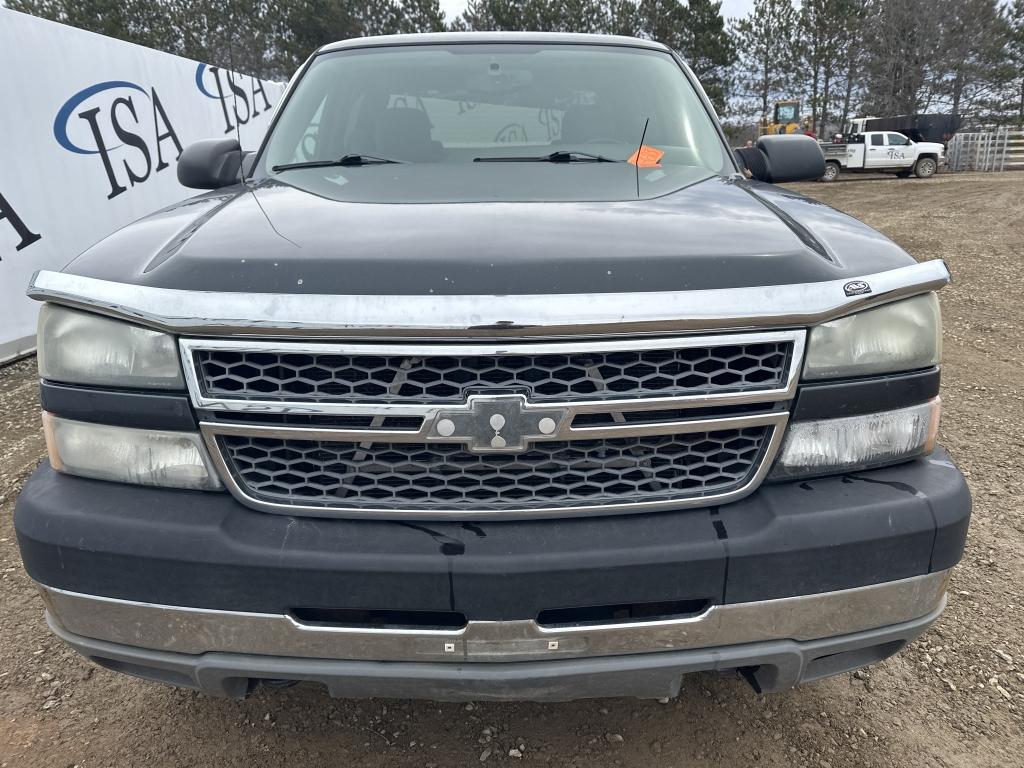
(493, 429)
(395, 476)
(370, 378)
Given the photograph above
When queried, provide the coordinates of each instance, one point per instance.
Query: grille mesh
(542, 377)
(442, 475)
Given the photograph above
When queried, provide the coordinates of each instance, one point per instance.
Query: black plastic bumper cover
(205, 550)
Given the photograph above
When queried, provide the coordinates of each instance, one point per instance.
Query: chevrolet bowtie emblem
(497, 423)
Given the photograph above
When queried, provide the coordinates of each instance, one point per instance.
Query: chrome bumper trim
(426, 317)
(197, 630)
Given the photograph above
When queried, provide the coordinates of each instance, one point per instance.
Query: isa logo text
(122, 124)
(241, 97)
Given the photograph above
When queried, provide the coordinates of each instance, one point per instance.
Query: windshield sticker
(646, 157)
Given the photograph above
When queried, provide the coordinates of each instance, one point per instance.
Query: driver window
(897, 140)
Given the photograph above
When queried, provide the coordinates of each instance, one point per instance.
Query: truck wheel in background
(905, 174)
(831, 171)
(925, 167)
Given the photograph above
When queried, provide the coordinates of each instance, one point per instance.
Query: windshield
(450, 115)
(785, 113)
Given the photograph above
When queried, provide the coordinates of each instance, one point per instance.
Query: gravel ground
(954, 698)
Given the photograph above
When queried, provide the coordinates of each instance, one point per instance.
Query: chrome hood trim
(506, 316)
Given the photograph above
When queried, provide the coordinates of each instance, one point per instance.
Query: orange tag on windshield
(646, 157)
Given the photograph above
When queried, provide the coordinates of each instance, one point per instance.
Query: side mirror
(210, 164)
(775, 159)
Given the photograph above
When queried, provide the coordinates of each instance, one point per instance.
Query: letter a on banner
(9, 216)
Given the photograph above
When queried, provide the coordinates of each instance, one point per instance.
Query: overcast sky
(730, 8)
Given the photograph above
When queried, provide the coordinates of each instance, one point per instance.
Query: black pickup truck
(493, 374)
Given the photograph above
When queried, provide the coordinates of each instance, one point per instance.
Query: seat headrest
(404, 134)
(584, 122)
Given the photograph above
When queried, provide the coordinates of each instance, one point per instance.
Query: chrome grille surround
(487, 474)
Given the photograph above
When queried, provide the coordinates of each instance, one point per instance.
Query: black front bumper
(205, 550)
(772, 665)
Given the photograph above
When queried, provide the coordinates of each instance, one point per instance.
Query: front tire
(925, 167)
(831, 171)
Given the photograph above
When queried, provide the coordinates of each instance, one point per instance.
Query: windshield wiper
(561, 156)
(347, 160)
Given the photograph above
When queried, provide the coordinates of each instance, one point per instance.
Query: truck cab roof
(448, 38)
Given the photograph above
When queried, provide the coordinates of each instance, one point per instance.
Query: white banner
(90, 133)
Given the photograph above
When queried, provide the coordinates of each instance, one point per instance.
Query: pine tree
(536, 16)
(145, 22)
(709, 50)
(268, 38)
(766, 45)
(901, 42)
(829, 29)
(971, 59)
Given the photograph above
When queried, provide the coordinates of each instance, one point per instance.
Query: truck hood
(275, 238)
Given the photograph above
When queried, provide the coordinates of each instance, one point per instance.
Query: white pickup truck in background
(882, 152)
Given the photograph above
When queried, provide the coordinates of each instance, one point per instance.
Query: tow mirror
(776, 159)
(211, 164)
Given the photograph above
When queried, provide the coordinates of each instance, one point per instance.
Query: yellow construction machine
(785, 118)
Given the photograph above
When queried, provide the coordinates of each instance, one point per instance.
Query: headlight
(852, 443)
(81, 348)
(901, 336)
(126, 455)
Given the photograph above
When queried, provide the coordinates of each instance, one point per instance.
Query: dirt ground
(954, 698)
